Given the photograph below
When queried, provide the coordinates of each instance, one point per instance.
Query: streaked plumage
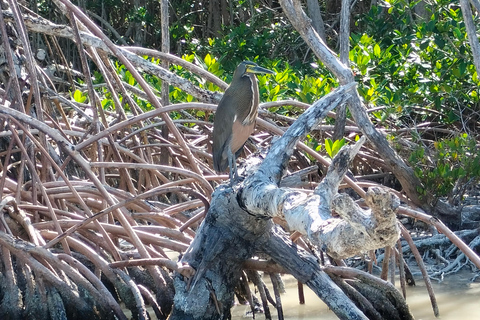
(235, 117)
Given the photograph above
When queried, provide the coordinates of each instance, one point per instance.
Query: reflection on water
(456, 298)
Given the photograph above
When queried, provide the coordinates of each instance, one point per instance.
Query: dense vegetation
(414, 72)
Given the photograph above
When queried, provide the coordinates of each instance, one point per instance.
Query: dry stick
(119, 232)
(151, 301)
(148, 166)
(181, 207)
(134, 157)
(84, 206)
(471, 32)
(32, 70)
(34, 174)
(167, 263)
(5, 164)
(107, 25)
(16, 88)
(11, 65)
(399, 255)
(251, 302)
(40, 25)
(99, 262)
(164, 153)
(344, 39)
(88, 252)
(140, 304)
(257, 280)
(70, 150)
(153, 192)
(278, 300)
(164, 239)
(386, 260)
(421, 265)
(301, 293)
(153, 99)
(124, 174)
(111, 78)
(313, 153)
(21, 217)
(144, 155)
(180, 62)
(60, 53)
(8, 271)
(193, 220)
(144, 116)
(392, 265)
(91, 94)
(443, 229)
(294, 103)
(203, 106)
(30, 61)
(371, 280)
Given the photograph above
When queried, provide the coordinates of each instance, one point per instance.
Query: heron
(235, 117)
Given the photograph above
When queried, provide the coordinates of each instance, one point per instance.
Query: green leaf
(78, 96)
(440, 42)
(329, 147)
(458, 33)
(337, 145)
(274, 91)
(376, 50)
(208, 59)
(130, 78)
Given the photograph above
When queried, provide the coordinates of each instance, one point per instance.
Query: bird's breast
(240, 134)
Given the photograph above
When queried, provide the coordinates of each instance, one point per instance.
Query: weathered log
(239, 225)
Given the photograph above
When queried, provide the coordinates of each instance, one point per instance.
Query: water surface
(457, 299)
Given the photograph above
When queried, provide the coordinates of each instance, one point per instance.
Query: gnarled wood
(239, 225)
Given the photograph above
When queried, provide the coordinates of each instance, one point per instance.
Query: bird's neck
(252, 115)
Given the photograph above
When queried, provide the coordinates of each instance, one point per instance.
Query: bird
(235, 117)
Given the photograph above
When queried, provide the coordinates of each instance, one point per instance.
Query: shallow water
(456, 298)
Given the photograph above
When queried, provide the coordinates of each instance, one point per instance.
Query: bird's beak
(257, 69)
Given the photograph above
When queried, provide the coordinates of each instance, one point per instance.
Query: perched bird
(235, 117)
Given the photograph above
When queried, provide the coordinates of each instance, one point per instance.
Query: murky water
(456, 297)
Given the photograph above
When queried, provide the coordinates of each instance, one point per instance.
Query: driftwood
(239, 226)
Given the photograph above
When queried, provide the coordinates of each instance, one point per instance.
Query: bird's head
(247, 67)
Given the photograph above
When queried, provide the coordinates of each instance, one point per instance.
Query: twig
(421, 265)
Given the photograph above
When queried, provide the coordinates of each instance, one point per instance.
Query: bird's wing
(244, 99)
(222, 131)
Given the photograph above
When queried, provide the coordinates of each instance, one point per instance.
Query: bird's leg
(232, 164)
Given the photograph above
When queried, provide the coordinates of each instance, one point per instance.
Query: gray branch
(402, 171)
(311, 215)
